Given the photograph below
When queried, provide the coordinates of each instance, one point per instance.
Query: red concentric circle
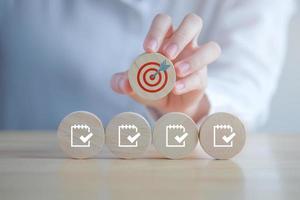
(146, 73)
(148, 83)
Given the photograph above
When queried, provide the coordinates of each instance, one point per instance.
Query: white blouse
(58, 56)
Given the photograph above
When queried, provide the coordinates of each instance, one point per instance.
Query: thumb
(120, 84)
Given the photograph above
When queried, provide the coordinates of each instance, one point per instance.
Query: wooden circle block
(222, 135)
(152, 76)
(175, 135)
(128, 135)
(81, 135)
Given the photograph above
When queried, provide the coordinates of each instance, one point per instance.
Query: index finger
(187, 32)
(160, 28)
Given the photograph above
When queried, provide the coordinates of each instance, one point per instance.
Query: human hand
(190, 62)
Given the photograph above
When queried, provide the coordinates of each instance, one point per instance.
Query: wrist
(155, 113)
(201, 110)
(197, 112)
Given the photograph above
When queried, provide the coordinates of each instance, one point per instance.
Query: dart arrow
(163, 67)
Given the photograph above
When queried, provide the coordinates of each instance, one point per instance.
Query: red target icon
(150, 79)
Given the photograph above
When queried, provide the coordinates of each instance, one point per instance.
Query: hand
(190, 61)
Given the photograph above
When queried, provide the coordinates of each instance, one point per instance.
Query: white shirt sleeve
(252, 35)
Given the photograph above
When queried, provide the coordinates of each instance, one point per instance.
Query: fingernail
(171, 50)
(152, 45)
(179, 86)
(183, 68)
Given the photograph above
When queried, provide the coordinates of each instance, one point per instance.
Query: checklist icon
(128, 135)
(175, 135)
(83, 132)
(223, 135)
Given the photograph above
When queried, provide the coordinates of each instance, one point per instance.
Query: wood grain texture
(141, 71)
(81, 134)
(128, 135)
(175, 135)
(222, 135)
(32, 166)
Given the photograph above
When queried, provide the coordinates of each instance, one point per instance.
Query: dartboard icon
(150, 78)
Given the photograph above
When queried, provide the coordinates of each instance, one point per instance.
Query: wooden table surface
(33, 167)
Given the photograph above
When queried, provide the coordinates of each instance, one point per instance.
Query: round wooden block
(222, 135)
(152, 76)
(175, 135)
(128, 135)
(81, 135)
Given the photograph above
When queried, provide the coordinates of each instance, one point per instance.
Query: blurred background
(285, 108)
(32, 35)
